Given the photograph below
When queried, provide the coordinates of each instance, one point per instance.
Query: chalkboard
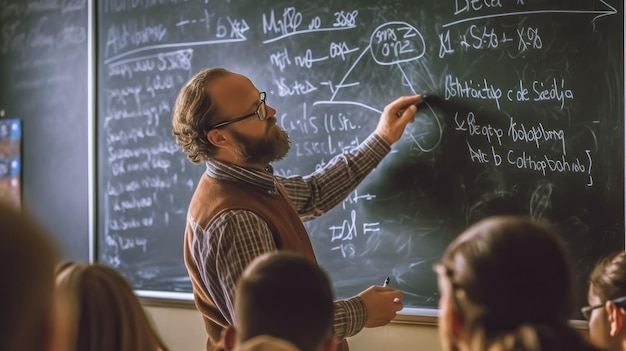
(524, 115)
(44, 83)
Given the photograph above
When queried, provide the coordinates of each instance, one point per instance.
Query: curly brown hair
(194, 111)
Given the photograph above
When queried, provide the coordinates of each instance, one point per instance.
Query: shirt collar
(228, 171)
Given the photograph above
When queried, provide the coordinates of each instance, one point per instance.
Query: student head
(503, 282)
(27, 260)
(285, 296)
(103, 312)
(607, 302)
(221, 114)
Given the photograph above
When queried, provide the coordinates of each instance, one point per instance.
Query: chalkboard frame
(408, 315)
(92, 129)
(411, 316)
(165, 298)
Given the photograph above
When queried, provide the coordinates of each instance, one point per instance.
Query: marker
(399, 113)
(386, 282)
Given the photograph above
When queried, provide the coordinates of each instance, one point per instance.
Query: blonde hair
(27, 259)
(106, 314)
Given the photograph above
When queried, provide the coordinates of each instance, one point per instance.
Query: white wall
(183, 330)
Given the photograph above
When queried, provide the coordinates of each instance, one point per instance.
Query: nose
(271, 112)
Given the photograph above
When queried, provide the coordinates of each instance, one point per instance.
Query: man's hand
(396, 116)
(381, 304)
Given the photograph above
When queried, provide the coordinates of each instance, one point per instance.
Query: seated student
(506, 284)
(27, 259)
(104, 313)
(607, 302)
(283, 302)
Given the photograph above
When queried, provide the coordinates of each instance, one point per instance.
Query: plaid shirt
(247, 236)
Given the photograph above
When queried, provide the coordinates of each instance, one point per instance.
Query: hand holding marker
(400, 112)
(385, 284)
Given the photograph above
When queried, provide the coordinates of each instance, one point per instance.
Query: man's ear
(216, 137)
(617, 317)
(229, 336)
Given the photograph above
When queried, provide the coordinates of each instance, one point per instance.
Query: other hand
(381, 304)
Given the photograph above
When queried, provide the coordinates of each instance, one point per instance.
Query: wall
(183, 329)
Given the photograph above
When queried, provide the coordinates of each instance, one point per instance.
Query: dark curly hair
(194, 111)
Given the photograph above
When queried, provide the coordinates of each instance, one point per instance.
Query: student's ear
(617, 317)
(229, 336)
(455, 323)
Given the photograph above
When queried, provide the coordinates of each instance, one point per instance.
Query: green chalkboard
(44, 83)
(524, 115)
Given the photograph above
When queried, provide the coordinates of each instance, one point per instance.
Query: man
(272, 314)
(240, 210)
(27, 260)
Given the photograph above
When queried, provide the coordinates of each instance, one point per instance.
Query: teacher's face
(258, 142)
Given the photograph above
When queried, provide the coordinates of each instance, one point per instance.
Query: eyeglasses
(586, 311)
(261, 112)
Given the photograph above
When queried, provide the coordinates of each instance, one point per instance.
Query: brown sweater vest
(212, 197)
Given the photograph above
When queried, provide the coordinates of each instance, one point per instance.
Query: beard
(272, 147)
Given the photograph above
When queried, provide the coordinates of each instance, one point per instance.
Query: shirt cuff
(375, 146)
(350, 317)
